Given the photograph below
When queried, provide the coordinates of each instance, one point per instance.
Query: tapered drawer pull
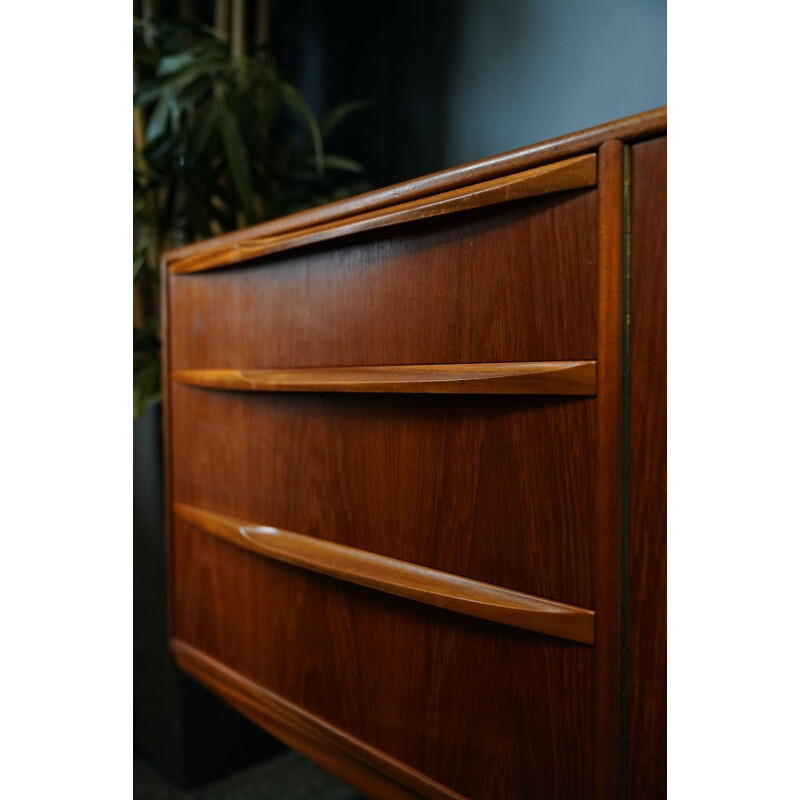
(543, 377)
(402, 578)
(572, 173)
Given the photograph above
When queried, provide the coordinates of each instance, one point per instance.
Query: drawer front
(498, 489)
(509, 282)
(487, 710)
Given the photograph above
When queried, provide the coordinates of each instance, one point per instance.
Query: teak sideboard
(416, 474)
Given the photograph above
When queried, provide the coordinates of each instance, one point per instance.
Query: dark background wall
(452, 81)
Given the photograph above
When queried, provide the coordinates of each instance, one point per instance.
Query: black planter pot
(182, 729)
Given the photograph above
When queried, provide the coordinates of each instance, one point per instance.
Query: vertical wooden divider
(609, 470)
(646, 679)
(166, 414)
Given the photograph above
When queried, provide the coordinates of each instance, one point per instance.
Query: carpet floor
(287, 776)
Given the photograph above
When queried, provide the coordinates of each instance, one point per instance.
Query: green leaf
(149, 93)
(141, 169)
(236, 154)
(175, 62)
(139, 258)
(335, 117)
(292, 97)
(146, 384)
(206, 124)
(146, 366)
(158, 119)
(341, 163)
(267, 110)
(159, 152)
(193, 93)
(171, 85)
(206, 50)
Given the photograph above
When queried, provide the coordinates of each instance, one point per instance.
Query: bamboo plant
(221, 140)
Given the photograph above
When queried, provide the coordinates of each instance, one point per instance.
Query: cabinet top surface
(223, 248)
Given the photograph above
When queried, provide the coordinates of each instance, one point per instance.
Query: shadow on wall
(457, 80)
(190, 735)
(396, 55)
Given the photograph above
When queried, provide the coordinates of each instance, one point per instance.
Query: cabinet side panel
(647, 749)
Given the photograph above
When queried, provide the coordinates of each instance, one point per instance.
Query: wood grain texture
(574, 173)
(629, 129)
(390, 575)
(523, 492)
(498, 489)
(647, 687)
(509, 283)
(551, 377)
(364, 767)
(608, 552)
(486, 710)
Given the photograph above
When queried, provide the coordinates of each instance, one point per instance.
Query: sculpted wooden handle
(537, 377)
(579, 172)
(393, 576)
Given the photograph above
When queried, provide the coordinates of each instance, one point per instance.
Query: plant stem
(238, 43)
(186, 10)
(262, 23)
(222, 16)
(149, 11)
(144, 303)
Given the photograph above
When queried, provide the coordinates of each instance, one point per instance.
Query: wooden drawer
(515, 281)
(444, 695)
(495, 488)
